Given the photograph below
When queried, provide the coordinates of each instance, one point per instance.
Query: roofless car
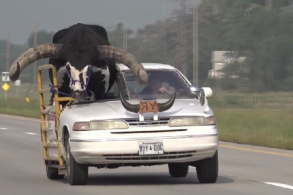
(104, 134)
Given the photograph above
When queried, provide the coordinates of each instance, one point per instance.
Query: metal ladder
(51, 161)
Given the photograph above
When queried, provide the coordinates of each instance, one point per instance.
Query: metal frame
(44, 112)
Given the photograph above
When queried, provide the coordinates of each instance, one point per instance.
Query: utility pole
(8, 50)
(268, 5)
(164, 33)
(183, 35)
(195, 45)
(35, 44)
(124, 38)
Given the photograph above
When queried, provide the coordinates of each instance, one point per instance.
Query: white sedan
(104, 134)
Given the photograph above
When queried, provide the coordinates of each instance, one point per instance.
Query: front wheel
(207, 169)
(77, 174)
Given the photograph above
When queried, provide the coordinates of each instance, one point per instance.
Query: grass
(19, 107)
(270, 128)
(16, 101)
(254, 119)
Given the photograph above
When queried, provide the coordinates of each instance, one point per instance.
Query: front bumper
(178, 147)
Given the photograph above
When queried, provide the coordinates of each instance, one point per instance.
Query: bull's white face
(78, 79)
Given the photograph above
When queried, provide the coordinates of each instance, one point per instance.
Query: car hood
(114, 109)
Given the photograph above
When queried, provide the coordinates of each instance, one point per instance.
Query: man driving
(154, 86)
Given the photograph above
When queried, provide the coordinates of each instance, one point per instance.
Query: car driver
(154, 86)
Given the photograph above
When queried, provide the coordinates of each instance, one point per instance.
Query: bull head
(106, 52)
(52, 51)
(78, 80)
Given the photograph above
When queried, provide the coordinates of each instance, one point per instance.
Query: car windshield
(161, 85)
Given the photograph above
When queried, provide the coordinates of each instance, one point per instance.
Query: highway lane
(243, 170)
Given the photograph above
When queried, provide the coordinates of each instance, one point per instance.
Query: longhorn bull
(86, 63)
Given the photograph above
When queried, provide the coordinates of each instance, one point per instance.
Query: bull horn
(32, 55)
(122, 56)
(167, 105)
(135, 107)
(121, 87)
(130, 107)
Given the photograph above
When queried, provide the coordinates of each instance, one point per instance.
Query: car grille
(153, 131)
(148, 122)
(166, 155)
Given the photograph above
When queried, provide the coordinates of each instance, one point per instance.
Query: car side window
(114, 89)
(168, 86)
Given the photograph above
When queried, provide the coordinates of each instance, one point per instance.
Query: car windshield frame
(183, 93)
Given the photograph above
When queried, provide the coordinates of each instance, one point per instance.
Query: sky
(17, 16)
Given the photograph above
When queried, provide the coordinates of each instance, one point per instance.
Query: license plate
(149, 148)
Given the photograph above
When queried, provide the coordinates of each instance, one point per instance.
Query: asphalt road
(243, 170)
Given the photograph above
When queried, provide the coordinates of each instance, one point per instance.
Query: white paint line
(3, 128)
(19, 117)
(279, 185)
(29, 133)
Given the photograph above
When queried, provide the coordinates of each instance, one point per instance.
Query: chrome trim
(163, 121)
(141, 138)
(148, 131)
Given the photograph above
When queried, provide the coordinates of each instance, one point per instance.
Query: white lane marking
(19, 117)
(29, 133)
(279, 185)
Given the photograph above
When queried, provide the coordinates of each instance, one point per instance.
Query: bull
(85, 63)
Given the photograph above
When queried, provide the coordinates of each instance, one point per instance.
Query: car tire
(207, 169)
(178, 169)
(52, 173)
(77, 174)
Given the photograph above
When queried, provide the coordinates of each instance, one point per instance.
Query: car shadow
(146, 179)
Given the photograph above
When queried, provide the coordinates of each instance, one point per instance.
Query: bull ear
(60, 75)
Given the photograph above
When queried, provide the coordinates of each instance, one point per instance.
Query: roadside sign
(5, 76)
(17, 82)
(5, 86)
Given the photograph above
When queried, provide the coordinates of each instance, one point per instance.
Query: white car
(104, 134)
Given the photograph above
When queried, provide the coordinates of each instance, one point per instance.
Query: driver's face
(155, 84)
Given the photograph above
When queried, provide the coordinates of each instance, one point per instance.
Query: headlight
(111, 124)
(210, 120)
(192, 121)
(81, 126)
(99, 125)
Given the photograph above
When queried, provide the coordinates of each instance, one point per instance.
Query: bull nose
(78, 95)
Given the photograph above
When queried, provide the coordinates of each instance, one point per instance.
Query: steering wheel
(165, 92)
